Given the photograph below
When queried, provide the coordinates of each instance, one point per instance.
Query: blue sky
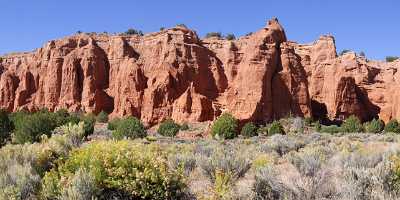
(371, 26)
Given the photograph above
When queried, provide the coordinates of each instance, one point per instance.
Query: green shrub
(214, 34)
(224, 127)
(182, 25)
(185, 127)
(64, 117)
(102, 117)
(275, 128)
(61, 115)
(331, 129)
(262, 130)
(132, 31)
(249, 130)
(374, 126)
(17, 118)
(308, 121)
(30, 128)
(168, 128)
(130, 127)
(392, 126)
(344, 52)
(391, 58)
(89, 122)
(113, 124)
(352, 125)
(317, 126)
(132, 170)
(230, 37)
(72, 118)
(5, 127)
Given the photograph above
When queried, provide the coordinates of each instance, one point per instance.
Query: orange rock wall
(174, 74)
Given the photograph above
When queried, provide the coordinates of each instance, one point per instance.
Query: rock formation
(344, 85)
(174, 74)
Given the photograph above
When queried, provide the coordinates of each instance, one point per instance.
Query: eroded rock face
(174, 74)
(345, 85)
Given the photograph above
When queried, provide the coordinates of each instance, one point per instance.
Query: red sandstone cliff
(174, 74)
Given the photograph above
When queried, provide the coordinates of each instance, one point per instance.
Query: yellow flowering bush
(134, 169)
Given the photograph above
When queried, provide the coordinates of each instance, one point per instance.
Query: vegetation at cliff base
(129, 127)
(225, 127)
(374, 126)
(29, 127)
(249, 130)
(5, 127)
(352, 125)
(392, 126)
(291, 158)
(102, 117)
(168, 128)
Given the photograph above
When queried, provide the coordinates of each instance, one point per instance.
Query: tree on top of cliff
(182, 25)
(230, 36)
(391, 58)
(132, 31)
(214, 34)
(344, 52)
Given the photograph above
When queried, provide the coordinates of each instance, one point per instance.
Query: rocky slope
(174, 74)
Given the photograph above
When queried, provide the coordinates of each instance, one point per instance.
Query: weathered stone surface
(174, 74)
(290, 86)
(344, 85)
